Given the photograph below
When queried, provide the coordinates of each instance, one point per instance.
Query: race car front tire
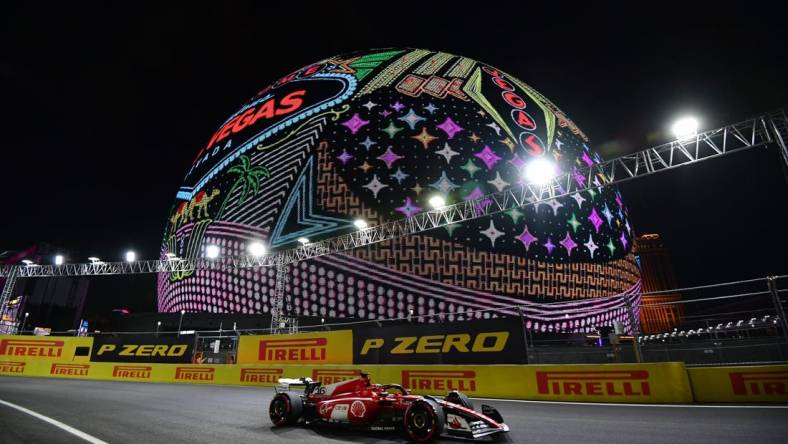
(424, 420)
(285, 409)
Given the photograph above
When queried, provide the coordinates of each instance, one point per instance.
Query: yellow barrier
(654, 383)
(331, 347)
(32, 348)
(325, 357)
(763, 383)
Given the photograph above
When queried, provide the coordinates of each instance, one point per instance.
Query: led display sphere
(376, 135)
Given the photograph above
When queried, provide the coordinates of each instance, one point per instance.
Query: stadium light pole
(180, 322)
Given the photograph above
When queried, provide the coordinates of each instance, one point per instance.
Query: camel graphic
(200, 202)
(185, 211)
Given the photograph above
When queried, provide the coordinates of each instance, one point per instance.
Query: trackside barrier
(45, 348)
(762, 383)
(651, 383)
(264, 359)
(330, 347)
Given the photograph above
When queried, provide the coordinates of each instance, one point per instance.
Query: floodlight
(256, 249)
(685, 127)
(211, 251)
(540, 171)
(437, 202)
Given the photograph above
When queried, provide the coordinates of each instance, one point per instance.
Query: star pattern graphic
(425, 138)
(391, 130)
(411, 118)
(447, 152)
(517, 162)
(492, 233)
(495, 128)
(568, 243)
(488, 156)
(579, 199)
(509, 144)
(592, 247)
(444, 185)
(470, 167)
(515, 214)
(608, 215)
(611, 246)
(471, 142)
(554, 205)
(389, 157)
(399, 175)
(549, 245)
(368, 143)
(450, 127)
(623, 240)
(355, 123)
(588, 161)
(409, 209)
(375, 185)
(498, 182)
(365, 166)
(344, 157)
(596, 220)
(526, 238)
(574, 223)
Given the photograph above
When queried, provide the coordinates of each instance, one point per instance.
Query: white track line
(56, 423)
(710, 406)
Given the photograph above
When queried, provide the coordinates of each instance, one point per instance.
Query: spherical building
(376, 135)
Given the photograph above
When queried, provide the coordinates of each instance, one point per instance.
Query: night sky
(104, 108)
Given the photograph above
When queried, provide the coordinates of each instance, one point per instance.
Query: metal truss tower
(760, 131)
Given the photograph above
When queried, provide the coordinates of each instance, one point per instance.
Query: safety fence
(325, 358)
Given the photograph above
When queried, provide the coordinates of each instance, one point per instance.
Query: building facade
(659, 312)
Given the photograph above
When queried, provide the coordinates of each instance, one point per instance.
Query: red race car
(359, 403)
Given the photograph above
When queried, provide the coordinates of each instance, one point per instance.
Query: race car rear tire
(458, 398)
(285, 409)
(424, 420)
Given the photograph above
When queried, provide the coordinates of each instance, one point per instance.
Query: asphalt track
(128, 412)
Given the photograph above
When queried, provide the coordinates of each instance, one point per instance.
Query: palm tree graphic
(248, 180)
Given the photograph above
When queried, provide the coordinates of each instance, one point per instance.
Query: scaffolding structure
(763, 130)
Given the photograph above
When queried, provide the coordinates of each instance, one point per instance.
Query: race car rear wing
(286, 384)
